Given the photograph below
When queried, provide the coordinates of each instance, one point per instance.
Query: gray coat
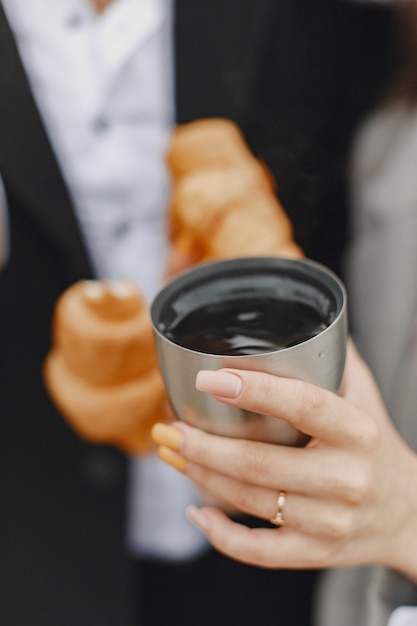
(383, 294)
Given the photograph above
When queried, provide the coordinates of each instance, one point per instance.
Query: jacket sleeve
(4, 235)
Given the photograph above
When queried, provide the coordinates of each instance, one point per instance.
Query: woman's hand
(350, 494)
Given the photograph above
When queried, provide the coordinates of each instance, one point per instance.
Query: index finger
(310, 409)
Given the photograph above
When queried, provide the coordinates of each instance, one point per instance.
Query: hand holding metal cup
(281, 316)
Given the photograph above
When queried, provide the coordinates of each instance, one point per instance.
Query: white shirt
(104, 86)
(404, 616)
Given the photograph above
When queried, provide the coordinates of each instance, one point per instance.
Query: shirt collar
(124, 27)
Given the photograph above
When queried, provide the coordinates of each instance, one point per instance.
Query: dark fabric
(219, 49)
(62, 516)
(216, 591)
(267, 65)
(62, 501)
(326, 64)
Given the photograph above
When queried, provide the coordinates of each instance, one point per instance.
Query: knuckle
(253, 464)
(371, 435)
(356, 487)
(243, 500)
(321, 556)
(310, 400)
(197, 448)
(197, 474)
(339, 526)
(264, 392)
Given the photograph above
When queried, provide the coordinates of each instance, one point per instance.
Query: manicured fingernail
(172, 458)
(197, 517)
(219, 383)
(165, 435)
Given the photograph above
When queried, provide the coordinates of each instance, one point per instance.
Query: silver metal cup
(319, 359)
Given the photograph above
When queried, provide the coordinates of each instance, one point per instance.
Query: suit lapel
(27, 163)
(218, 49)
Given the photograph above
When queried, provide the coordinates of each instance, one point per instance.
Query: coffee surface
(247, 326)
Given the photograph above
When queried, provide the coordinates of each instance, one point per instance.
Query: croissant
(102, 369)
(224, 200)
(211, 142)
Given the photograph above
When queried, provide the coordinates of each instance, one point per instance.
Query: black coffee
(249, 326)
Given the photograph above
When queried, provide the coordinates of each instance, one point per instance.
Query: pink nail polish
(219, 383)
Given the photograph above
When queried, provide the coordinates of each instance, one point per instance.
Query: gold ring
(279, 520)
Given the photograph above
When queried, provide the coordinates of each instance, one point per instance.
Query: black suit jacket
(62, 501)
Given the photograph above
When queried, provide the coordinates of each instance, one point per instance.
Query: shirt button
(73, 21)
(121, 230)
(100, 125)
